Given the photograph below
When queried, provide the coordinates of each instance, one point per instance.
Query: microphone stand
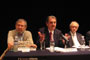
(1, 57)
(66, 40)
(66, 43)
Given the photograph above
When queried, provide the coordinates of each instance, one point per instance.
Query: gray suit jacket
(79, 37)
(87, 37)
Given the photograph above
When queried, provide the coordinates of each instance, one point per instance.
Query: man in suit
(75, 39)
(45, 32)
(88, 38)
(20, 34)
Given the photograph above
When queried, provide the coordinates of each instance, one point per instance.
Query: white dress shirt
(75, 40)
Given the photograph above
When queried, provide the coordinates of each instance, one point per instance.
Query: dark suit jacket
(79, 37)
(87, 37)
(57, 37)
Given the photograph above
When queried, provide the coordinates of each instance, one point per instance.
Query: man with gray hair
(23, 36)
(75, 39)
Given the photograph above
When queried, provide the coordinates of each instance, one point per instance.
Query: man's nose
(53, 23)
(20, 26)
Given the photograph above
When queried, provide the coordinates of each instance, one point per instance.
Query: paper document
(24, 49)
(58, 49)
(81, 46)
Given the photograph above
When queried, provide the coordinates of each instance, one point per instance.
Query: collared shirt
(75, 40)
(20, 36)
(27, 37)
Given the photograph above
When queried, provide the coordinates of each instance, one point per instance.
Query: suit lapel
(79, 38)
(56, 37)
(47, 39)
(71, 41)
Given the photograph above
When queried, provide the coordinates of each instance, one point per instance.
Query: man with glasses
(75, 39)
(21, 35)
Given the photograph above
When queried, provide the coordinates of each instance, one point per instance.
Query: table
(46, 55)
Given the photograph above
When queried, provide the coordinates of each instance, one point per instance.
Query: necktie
(50, 35)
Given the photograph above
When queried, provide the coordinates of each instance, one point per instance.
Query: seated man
(88, 38)
(50, 33)
(75, 39)
(21, 35)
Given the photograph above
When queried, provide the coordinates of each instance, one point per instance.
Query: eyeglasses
(74, 26)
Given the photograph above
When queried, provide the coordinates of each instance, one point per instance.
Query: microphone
(66, 40)
(64, 37)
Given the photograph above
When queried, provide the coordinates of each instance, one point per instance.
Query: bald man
(75, 39)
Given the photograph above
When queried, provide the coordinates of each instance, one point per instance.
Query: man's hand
(42, 37)
(67, 36)
(32, 45)
(10, 46)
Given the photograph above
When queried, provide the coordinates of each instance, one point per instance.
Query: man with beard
(50, 33)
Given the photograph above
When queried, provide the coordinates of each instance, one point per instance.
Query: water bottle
(83, 40)
(15, 49)
(83, 45)
(52, 44)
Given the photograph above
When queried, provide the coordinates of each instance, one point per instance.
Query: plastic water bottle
(52, 44)
(83, 46)
(83, 40)
(15, 49)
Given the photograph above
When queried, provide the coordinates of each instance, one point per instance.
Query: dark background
(36, 14)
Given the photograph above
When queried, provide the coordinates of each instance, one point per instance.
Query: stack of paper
(84, 46)
(58, 49)
(24, 49)
(66, 49)
(32, 49)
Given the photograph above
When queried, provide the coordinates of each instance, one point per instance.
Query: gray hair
(74, 22)
(20, 20)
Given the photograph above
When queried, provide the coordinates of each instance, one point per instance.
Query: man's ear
(25, 27)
